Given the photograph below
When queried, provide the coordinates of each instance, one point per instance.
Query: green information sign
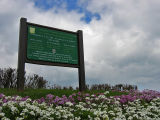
(45, 45)
(51, 45)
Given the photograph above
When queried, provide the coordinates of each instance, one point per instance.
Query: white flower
(107, 92)
(77, 118)
(25, 110)
(87, 98)
(5, 118)
(93, 104)
(38, 111)
(79, 106)
(8, 97)
(97, 118)
(19, 118)
(92, 95)
(0, 108)
(69, 103)
(14, 109)
(18, 98)
(101, 96)
(130, 118)
(22, 104)
(4, 104)
(135, 115)
(105, 117)
(22, 114)
(64, 116)
(32, 113)
(28, 100)
(111, 112)
(2, 114)
(41, 113)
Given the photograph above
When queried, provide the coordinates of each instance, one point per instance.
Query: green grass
(111, 93)
(38, 93)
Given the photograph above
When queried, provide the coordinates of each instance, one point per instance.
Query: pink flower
(49, 96)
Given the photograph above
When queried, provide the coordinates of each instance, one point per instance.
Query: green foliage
(38, 93)
(8, 79)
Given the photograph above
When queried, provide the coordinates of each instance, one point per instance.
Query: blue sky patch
(70, 5)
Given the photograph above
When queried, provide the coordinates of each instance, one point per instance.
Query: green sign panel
(44, 44)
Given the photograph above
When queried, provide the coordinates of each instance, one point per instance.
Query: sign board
(46, 45)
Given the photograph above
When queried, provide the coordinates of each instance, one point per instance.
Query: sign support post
(21, 55)
(81, 69)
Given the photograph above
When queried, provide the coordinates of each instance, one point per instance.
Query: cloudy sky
(121, 38)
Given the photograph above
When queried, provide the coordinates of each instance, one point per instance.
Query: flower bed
(135, 106)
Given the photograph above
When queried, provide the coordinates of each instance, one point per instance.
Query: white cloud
(128, 47)
(122, 47)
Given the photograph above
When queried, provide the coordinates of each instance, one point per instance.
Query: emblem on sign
(32, 30)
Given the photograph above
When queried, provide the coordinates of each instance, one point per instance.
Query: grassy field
(38, 93)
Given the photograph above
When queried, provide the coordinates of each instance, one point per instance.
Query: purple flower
(64, 96)
(1, 95)
(79, 93)
(5, 100)
(123, 101)
(87, 95)
(73, 94)
(41, 100)
(70, 98)
(25, 98)
(61, 102)
(79, 98)
(49, 96)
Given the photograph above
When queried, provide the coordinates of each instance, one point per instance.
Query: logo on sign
(32, 30)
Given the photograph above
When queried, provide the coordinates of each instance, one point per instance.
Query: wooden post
(21, 54)
(81, 69)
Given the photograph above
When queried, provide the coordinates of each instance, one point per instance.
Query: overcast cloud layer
(123, 46)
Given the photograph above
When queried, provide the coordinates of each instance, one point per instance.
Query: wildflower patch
(78, 106)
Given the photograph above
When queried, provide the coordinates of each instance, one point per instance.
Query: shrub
(8, 79)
